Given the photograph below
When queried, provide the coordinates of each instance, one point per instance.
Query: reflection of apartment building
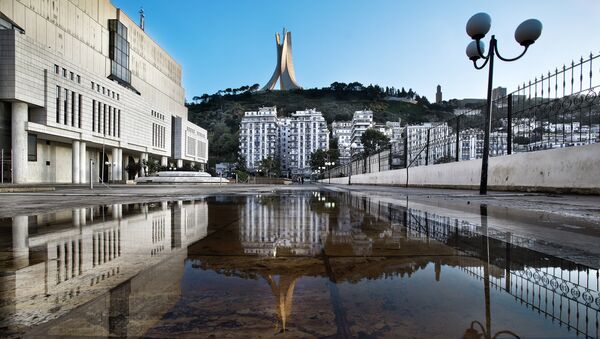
(67, 258)
(81, 82)
(282, 224)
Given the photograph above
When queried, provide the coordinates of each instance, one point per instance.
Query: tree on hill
(373, 141)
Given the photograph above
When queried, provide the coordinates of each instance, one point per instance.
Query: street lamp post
(477, 27)
(353, 146)
(329, 164)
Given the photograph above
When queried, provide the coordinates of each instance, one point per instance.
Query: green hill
(222, 112)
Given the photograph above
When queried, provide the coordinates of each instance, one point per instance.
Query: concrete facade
(573, 169)
(60, 70)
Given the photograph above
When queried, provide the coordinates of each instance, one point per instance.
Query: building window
(119, 52)
(64, 72)
(104, 119)
(56, 69)
(58, 91)
(72, 76)
(80, 110)
(66, 102)
(73, 97)
(109, 119)
(32, 147)
(93, 115)
(119, 119)
(78, 79)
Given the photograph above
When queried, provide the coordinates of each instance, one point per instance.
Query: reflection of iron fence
(5, 166)
(555, 110)
(558, 298)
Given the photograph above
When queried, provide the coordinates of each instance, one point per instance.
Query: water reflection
(61, 260)
(307, 264)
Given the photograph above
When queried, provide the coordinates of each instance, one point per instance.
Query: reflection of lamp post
(477, 27)
(353, 146)
(486, 331)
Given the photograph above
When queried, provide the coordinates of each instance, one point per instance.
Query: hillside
(221, 114)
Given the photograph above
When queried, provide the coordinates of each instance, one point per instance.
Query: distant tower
(142, 18)
(438, 95)
(284, 71)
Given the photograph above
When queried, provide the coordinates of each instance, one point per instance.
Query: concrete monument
(284, 72)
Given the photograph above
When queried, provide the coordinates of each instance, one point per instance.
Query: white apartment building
(259, 136)
(361, 121)
(308, 132)
(291, 140)
(85, 92)
(283, 140)
(417, 140)
(342, 132)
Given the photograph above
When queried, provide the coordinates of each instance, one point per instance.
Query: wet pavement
(296, 263)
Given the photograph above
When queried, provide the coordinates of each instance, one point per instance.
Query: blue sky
(414, 44)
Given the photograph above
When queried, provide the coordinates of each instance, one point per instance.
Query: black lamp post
(477, 27)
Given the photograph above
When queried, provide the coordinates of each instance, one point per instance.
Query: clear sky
(411, 44)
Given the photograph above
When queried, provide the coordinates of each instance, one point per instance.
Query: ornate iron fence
(555, 110)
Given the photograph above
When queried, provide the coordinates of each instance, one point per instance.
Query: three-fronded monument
(284, 71)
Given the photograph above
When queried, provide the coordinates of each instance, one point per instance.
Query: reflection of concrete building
(81, 82)
(263, 234)
(64, 259)
(284, 70)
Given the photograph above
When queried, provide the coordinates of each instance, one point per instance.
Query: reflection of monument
(64, 259)
(284, 71)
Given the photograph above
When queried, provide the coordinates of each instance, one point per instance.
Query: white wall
(574, 169)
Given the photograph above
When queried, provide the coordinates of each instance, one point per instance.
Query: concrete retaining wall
(565, 170)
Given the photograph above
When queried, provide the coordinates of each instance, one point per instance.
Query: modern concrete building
(308, 132)
(361, 121)
(87, 92)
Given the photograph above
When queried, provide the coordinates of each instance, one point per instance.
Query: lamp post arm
(509, 59)
(482, 66)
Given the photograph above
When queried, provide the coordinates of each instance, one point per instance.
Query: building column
(83, 163)
(179, 163)
(120, 165)
(114, 164)
(164, 161)
(75, 163)
(19, 142)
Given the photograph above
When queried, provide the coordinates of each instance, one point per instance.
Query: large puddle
(297, 264)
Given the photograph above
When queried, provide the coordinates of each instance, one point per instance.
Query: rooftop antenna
(142, 18)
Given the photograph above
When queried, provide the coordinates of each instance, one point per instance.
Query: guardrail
(556, 110)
